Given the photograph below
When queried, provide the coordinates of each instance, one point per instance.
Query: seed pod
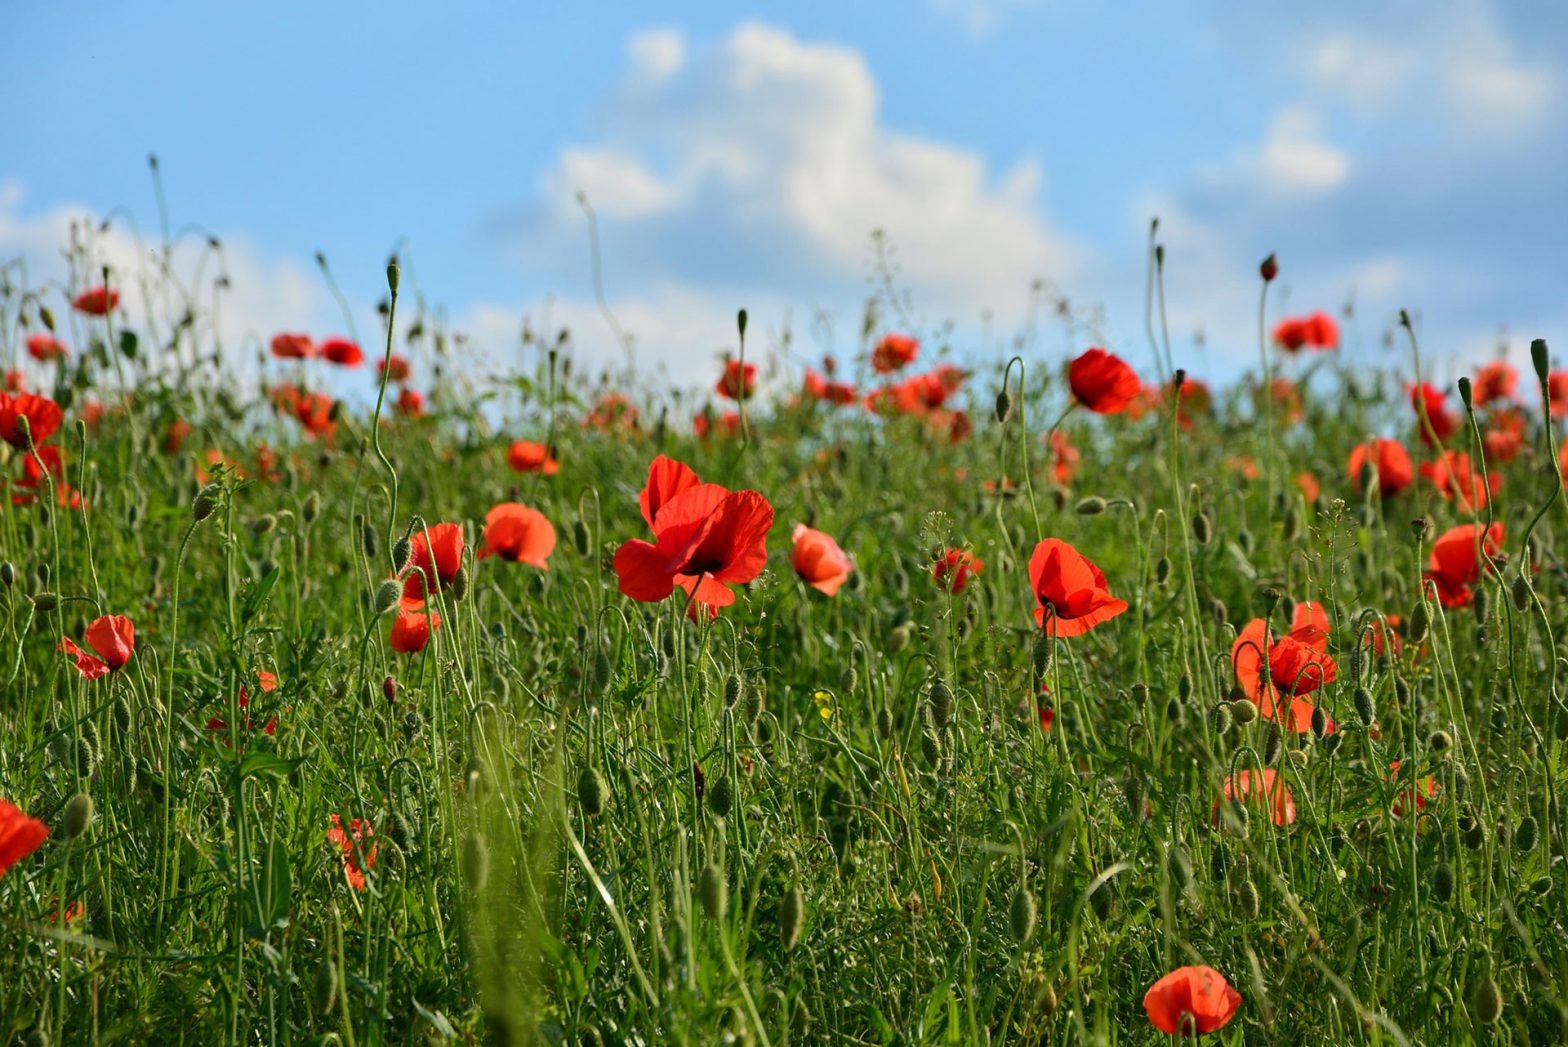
(940, 702)
(78, 816)
(205, 502)
(400, 553)
(1442, 882)
(1488, 1001)
(734, 688)
(1366, 710)
(1202, 528)
(1093, 505)
(476, 862)
(1247, 896)
(1021, 915)
(592, 791)
(1526, 834)
(326, 987)
(791, 917)
(712, 891)
(1243, 711)
(1004, 406)
(721, 796)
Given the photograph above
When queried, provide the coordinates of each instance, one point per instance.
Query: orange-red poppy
(706, 423)
(19, 835)
(1425, 789)
(113, 637)
(1430, 401)
(828, 391)
(1069, 590)
(96, 301)
(1310, 488)
(1455, 563)
(1494, 381)
(738, 380)
(818, 560)
(412, 626)
(43, 418)
(525, 456)
(1102, 381)
(518, 534)
(342, 351)
(43, 347)
(953, 569)
(894, 352)
(410, 403)
(1457, 482)
(1191, 1001)
(350, 846)
(287, 346)
(1277, 672)
(396, 368)
(1557, 393)
(435, 555)
(1504, 435)
(1315, 331)
(1266, 792)
(1064, 458)
(1391, 461)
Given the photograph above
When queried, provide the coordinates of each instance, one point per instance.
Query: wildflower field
(916, 696)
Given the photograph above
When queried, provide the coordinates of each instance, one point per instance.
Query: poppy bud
(1093, 505)
(751, 708)
(592, 791)
(476, 862)
(1474, 837)
(1133, 789)
(884, 724)
(1420, 619)
(387, 594)
(46, 602)
(734, 689)
(941, 704)
(311, 507)
(1319, 722)
(394, 276)
(1021, 915)
(1365, 709)
(931, 748)
(264, 524)
(1488, 1002)
(389, 688)
(1041, 655)
(1244, 711)
(603, 671)
(1442, 882)
(740, 324)
(78, 816)
(712, 892)
(1162, 570)
(1219, 610)
(580, 536)
(1520, 590)
(1440, 741)
(1247, 895)
(460, 584)
(1539, 357)
(721, 796)
(1269, 269)
(1179, 865)
(400, 553)
(1526, 835)
(1004, 406)
(791, 917)
(205, 502)
(1220, 718)
(326, 987)
(899, 638)
(1202, 528)
(8, 573)
(1273, 744)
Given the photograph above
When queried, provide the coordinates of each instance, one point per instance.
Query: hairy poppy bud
(791, 917)
(1488, 1001)
(848, 680)
(721, 796)
(8, 573)
(1526, 835)
(1474, 837)
(1540, 358)
(1440, 741)
(931, 749)
(734, 688)
(394, 276)
(1244, 711)
(311, 508)
(712, 891)
(1040, 657)
(46, 602)
(1247, 895)
(899, 637)
(460, 584)
(1420, 619)
(1443, 882)
(1133, 789)
(1365, 709)
(884, 724)
(1273, 744)
(1269, 269)
(1004, 406)
(941, 704)
(1202, 528)
(263, 525)
(387, 594)
(400, 553)
(1093, 505)
(205, 502)
(1520, 590)
(1162, 570)
(754, 697)
(326, 987)
(476, 862)
(592, 791)
(580, 536)
(1021, 915)
(1220, 719)
(78, 816)
(1179, 865)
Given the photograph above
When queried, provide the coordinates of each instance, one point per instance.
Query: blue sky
(740, 156)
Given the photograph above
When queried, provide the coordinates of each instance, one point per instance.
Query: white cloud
(759, 167)
(1296, 159)
(981, 18)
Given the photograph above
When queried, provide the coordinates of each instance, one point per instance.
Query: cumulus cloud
(759, 166)
(981, 17)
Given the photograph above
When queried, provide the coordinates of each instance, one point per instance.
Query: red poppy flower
(707, 538)
(1455, 563)
(342, 352)
(518, 534)
(835, 393)
(1297, 665)
(1433, 401)
(1286, 399)
(96, 301)
(738, 380)
(412, 627)
(1193, 400)
(293, 346)
(43, 418)
(1389, 458)
(1071, 588)
(1557, 393)
(1309, 624)
(818, 560)
(1381, 634)
(19, 835)
(894, 352)
(1269, 794)
(396, 368)
(350, 846)
(433, 561)
(1064, 458)
(268, 683)
(525, 456)
(179, 429)
(1504, 436)
(727, 424)
(410, 403)
(1310, 488)
(13, 382)
(1191, 1001)
(44, 347)
(954, 568)
(1425, 790)
(1243, 464)
(1494, 381)
(1457, 482)
(1317, 331)
(612, 412)
(1103, 382)
(32, 478)
(113, 637)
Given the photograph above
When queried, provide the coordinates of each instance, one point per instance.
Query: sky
(1396, 155)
